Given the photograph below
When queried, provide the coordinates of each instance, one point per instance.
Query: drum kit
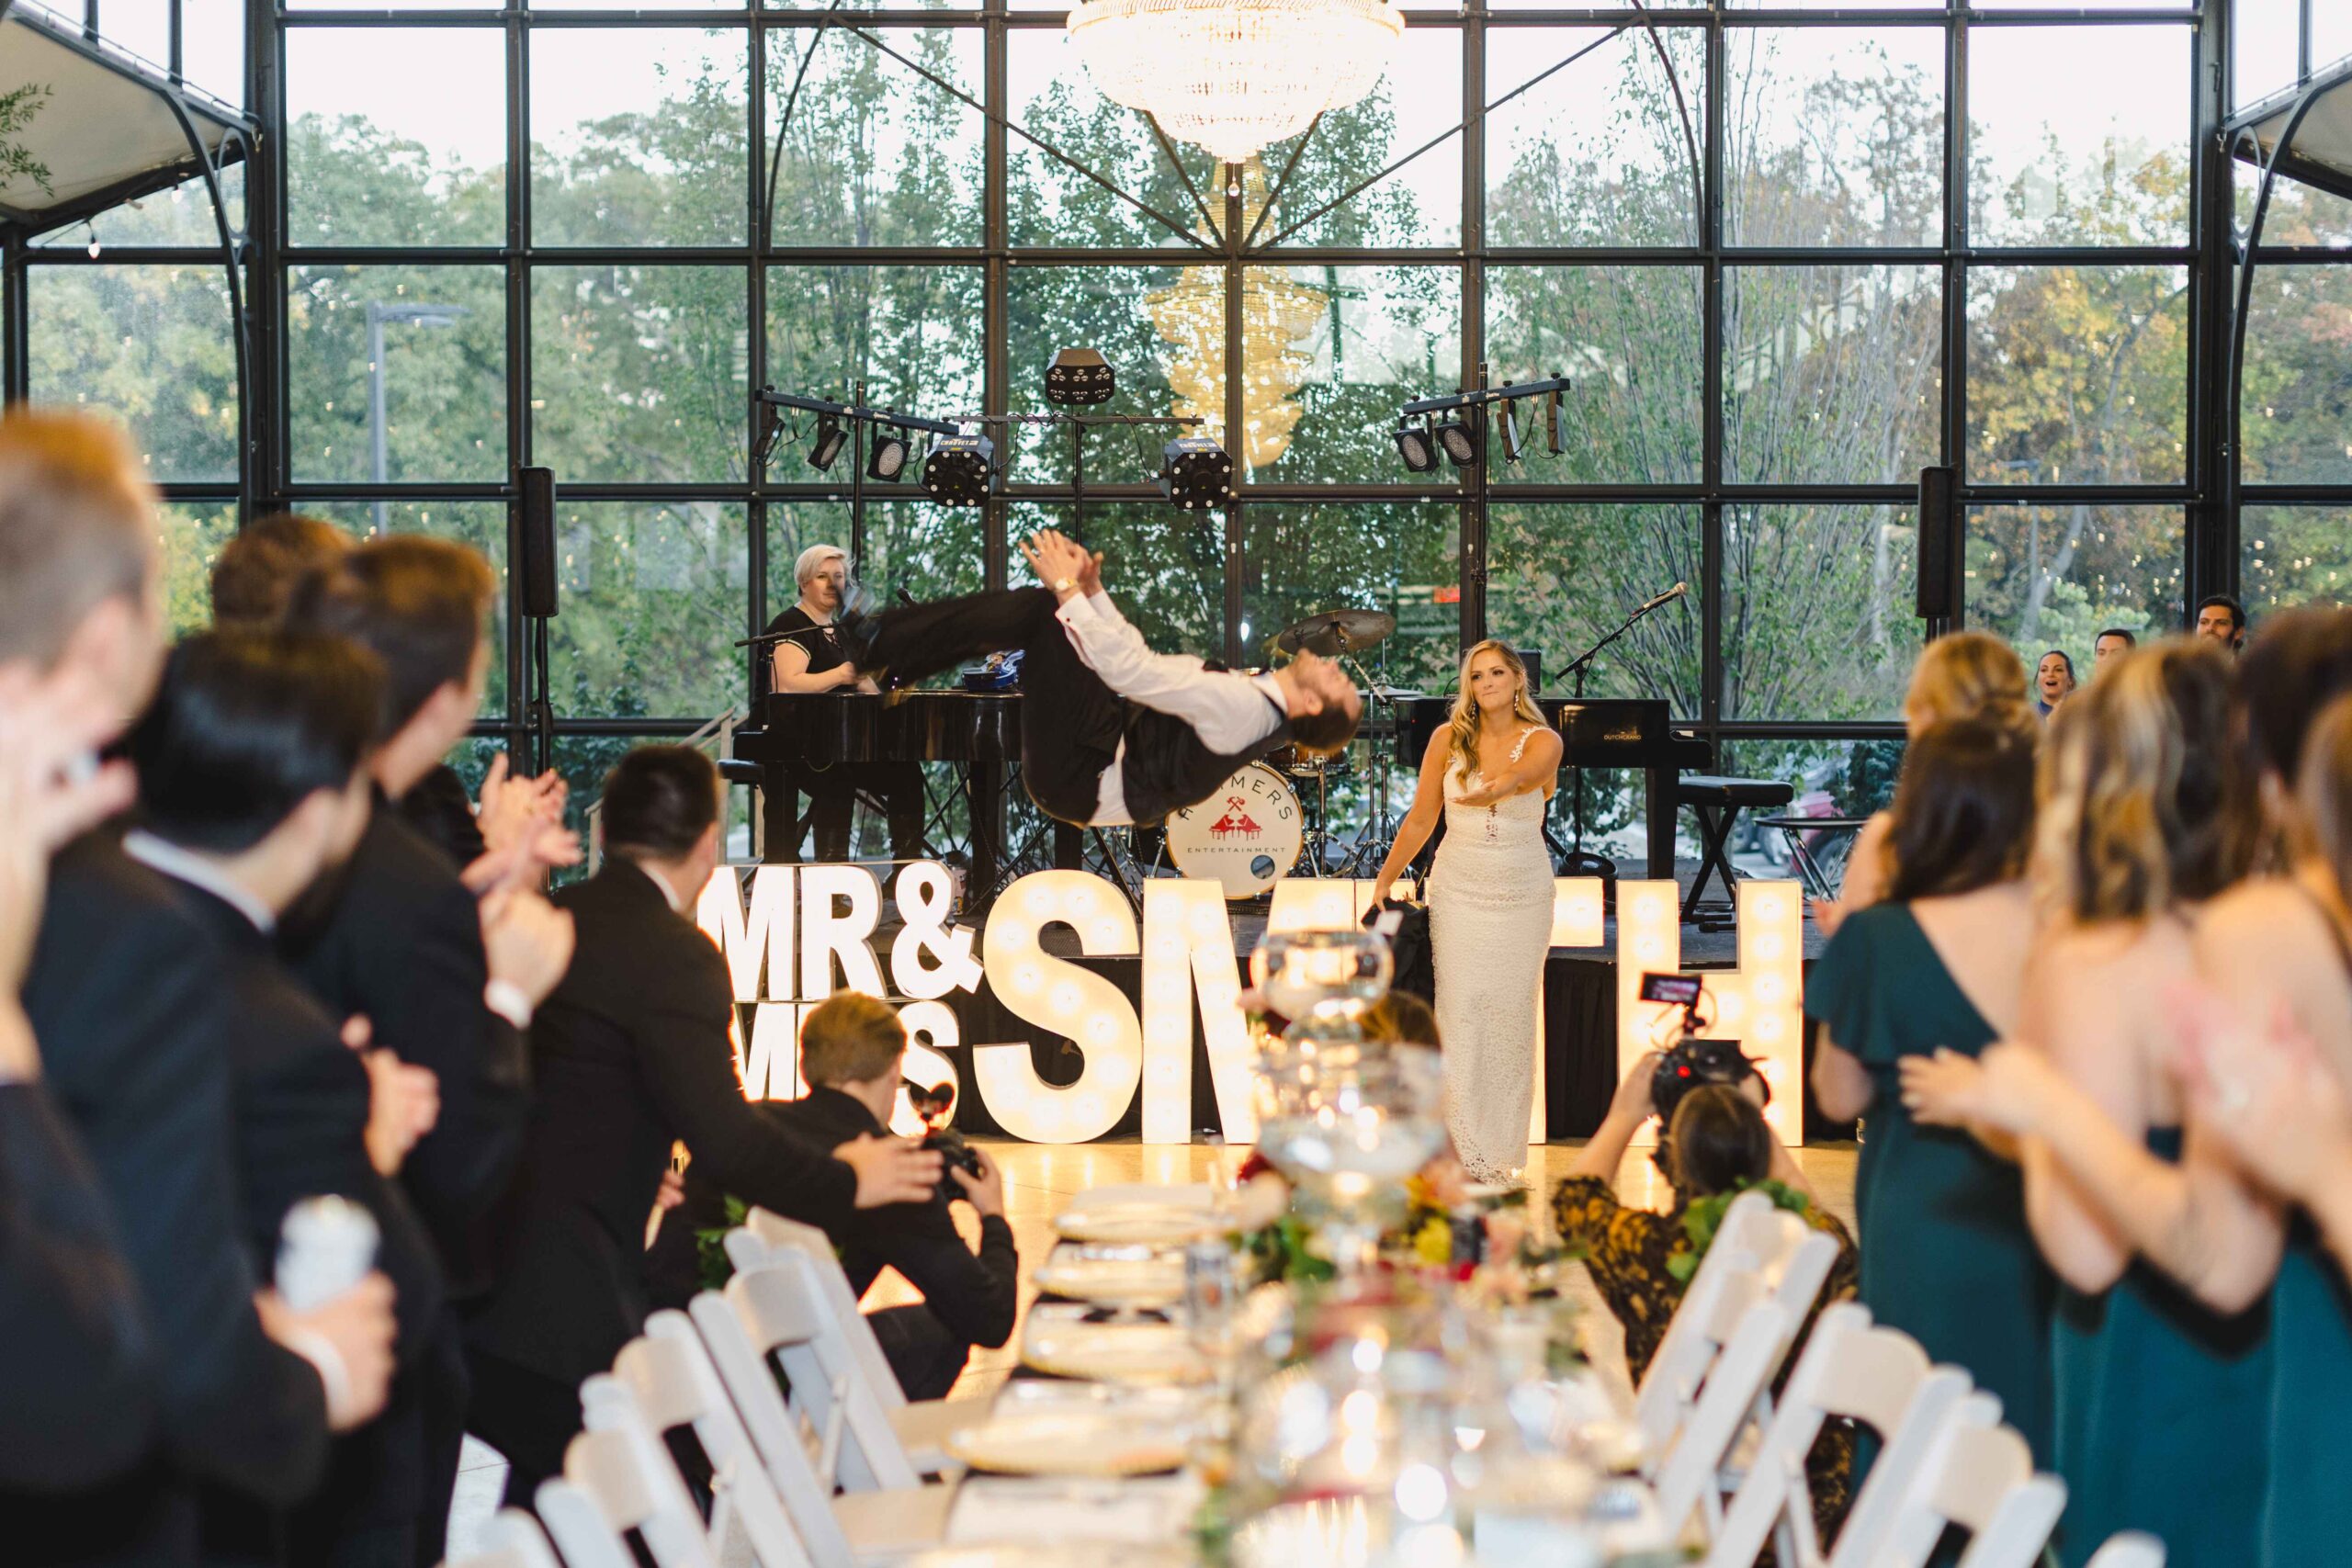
(1254, 831)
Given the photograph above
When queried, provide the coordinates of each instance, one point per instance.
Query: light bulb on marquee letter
(1060, 997)
(1173, 967)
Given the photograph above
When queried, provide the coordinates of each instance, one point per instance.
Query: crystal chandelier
(1277, 317)
(1234, 75)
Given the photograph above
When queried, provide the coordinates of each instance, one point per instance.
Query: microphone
(1677, 592)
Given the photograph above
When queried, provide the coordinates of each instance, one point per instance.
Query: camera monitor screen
(1682, 991)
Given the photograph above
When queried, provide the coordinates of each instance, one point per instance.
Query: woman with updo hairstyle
(1964, 676)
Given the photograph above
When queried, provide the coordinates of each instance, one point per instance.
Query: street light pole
(378, 437)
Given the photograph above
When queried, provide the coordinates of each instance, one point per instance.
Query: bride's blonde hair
(1467, 717)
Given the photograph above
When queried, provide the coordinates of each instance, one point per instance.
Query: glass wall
(1785, 262)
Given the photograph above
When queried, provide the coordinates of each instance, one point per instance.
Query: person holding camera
(853, 1051)
(1715, 1147)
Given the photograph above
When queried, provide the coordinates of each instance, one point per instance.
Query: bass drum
(1248, 835)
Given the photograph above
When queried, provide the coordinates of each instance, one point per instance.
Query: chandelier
(1234, 75)
(1277, 316)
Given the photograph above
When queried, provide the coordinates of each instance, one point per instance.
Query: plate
(1136, 1224)
(1115, 1281)
(1070, 1442)
(1150, 1354)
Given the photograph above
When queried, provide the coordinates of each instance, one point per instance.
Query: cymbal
(1336, 632)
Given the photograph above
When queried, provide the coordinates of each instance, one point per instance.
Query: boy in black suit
(629, 1055)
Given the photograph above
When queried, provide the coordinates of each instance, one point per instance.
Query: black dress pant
(1071, 722)
(832, 795)
(924, 1355)
(527, 1417)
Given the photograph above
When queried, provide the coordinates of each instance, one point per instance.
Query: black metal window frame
(2207, 254)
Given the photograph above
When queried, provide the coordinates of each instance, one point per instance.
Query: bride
(1491, 770)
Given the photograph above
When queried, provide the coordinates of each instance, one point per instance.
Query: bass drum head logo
(1246, 836)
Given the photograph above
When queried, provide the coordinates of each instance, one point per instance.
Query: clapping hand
(1061, 563)
(403, 1102)
(49, 725)
(526, 815)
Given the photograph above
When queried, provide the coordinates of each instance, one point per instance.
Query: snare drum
(1301, 764)
(1248, 835)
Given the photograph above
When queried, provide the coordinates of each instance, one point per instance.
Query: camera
(935, 1106)
(1691, 1062)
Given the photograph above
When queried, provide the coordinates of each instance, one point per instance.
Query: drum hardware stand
(1580, 861)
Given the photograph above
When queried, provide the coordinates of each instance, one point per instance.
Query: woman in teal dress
(1946, 1256)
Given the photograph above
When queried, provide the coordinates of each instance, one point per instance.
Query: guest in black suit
(134, 1035)
(853, 1051)
(447, 982)
(631, 1055)
(252, 792)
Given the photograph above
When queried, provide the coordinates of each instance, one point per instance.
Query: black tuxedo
(630, 1053)
(437, 807)
(134, 1027)
(73, 1338)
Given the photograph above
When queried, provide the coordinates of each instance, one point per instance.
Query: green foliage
(713, 1268)
(1705, 1216)
(19, 106)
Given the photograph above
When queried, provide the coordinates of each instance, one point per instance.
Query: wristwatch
(1064, 584)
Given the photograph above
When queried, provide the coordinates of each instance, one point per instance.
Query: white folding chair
(763, 1311)
(1977, 1475)
(1753, 1331)
(2129, 1549)
(1848, 1369)
(627, 1482)
(847, 1343)
(511, 1539)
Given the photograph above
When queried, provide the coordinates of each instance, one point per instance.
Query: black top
(134, 1031)
(822, 644)
(403, 946)
(73, 1337)
(630, 1053)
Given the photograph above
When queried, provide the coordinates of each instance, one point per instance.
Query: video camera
(1691, 1060)
(935, 1106)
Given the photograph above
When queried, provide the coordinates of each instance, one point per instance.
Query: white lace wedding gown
(1490, 925)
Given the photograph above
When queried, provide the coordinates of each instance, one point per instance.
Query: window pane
(1331, 352)
(1163, 332)
(638, 373)
(877, 155)
(2299, 214)
(371, 161)
(2265, 48)
(910, 333)
(2077, 375)
(1629, 338)
(1835, 136)
(2331, 35)
(192, 533)
(653, 598)
(398, 374)
(212, 48)
(392, 4)
(1833, 375)
(1561, 578)
(637, 136)
(2298, 375)
(1048, 202)
(2294, 555)
(1400, 557)
(2054, 577)
(1420, 204)
(480, 523)
(2063, 156)
(1166, 569)
(1818, 611)
(1846, 778)
(149, 345)
(1601, 153)
(142, 28)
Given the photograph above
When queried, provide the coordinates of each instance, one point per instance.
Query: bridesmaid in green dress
(1945, 1253)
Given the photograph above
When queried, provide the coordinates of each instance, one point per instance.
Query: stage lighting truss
(827, 445)
(1195, 473)
(887, 460)
(1417, 447)
(1506, 431)
(1457, 436)
(1079, 377)
(958, 468)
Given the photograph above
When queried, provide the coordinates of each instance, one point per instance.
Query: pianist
(809, 660)
(1111, 732)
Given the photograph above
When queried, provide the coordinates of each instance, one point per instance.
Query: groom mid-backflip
(1111, 732)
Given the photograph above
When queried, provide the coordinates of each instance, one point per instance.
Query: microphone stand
(1580, 861)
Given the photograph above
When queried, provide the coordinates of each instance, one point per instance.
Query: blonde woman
(1965, 675)
(1491, 771)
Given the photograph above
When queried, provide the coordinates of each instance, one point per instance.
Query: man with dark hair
(448, 983)
(1111, 732)
(252, 793)
(853, 1051)
(123, 994)
(631, 1055)
(255, 576)
(2221, 618)
(2108, 644)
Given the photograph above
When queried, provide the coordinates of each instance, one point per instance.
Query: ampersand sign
(926, 894)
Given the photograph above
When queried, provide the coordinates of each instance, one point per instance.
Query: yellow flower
(1434, 1245)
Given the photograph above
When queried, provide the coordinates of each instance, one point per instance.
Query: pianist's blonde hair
(1467, 717)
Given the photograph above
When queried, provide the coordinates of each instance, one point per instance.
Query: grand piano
(1595, 732)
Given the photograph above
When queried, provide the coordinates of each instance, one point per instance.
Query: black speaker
(1942, 564)
(1533, 658)
(536, 490)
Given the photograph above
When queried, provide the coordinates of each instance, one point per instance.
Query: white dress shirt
(181, 865)
(1230, 711)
